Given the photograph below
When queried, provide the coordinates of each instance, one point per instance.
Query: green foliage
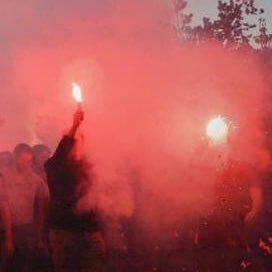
(264, 39)
(232, 28)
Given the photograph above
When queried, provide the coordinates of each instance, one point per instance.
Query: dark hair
(38, 148)
(22, 148)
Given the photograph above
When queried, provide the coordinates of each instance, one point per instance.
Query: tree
(264, 39)
(231, 28)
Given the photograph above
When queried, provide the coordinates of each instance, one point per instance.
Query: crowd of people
(43, 228)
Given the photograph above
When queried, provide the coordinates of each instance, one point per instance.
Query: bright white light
(77, 92)
(217, 130)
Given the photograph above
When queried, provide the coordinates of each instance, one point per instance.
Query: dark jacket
(68, 181)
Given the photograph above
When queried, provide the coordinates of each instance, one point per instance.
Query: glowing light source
(217, 130)
(77, 94)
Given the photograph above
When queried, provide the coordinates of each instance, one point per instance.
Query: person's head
(41, 154)
(23, 156)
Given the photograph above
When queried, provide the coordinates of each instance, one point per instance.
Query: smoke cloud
(147, 101)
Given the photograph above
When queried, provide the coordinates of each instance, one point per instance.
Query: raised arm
(67, 141)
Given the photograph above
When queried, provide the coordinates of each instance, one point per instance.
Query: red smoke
(147, 101)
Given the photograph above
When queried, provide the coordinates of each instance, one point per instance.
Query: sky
(201, 8)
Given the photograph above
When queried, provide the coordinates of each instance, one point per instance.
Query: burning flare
(217, 130)
(77, 92)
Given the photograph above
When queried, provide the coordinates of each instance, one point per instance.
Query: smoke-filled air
(147, 98)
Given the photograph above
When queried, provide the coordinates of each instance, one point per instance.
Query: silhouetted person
(23, 188)
(41, 154)
(6, 235)
(75, 234)
(42, 260)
